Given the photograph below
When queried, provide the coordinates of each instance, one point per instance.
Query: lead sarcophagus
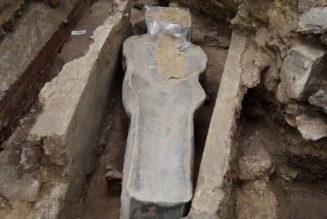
(161, 92)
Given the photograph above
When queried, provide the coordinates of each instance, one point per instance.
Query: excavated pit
(98, 197)
(272, 172)
(295, 181)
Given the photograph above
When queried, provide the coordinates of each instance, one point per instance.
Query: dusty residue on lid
(171, 62)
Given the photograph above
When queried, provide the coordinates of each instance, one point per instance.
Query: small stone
(271, 78)
(114, 179)
(4, 86)
(319, 99)
(281, 94)
(20, 159)
(305, 5)
(263, 59)
(256, 200)
(313, 21)
(312, 126)
(309, 160)
(211, 39)
(294, 109)
(301, 69)
(255, 165)
(113, 174)
(288, 173)
(262, 36)
(250, 71)
(290, 120)
(4, 203)
(258, 9)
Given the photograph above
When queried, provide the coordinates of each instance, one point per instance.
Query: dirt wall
(289, 49)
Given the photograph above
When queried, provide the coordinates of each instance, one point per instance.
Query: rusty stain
(22, 94)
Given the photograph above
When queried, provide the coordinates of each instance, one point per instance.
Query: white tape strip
(78, 32)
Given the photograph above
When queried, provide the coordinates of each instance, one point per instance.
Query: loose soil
(171, 15)
(171, 62)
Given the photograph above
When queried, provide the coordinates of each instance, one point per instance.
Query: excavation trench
(88, 194)
(65, 167)
(75, 133)
(24, 71)
(102, 198)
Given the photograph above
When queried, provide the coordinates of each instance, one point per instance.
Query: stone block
(281, 94)
(256, 200)
(302, 68)
(313, 21)
(212, 189)
(250, 71)
(305, 5)
(19, 172)
(319, 99)
(312, 126)
(255, 165)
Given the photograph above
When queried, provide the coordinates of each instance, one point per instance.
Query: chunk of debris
(271, 78)
(250, 71)
(256, 200)
(112, 174)
(288, 173)
(312, 126)
(302, 68)
(294, 109)
(290, 120)
(319, 99)
(313, 21)
(281, 94)
(255, 165)
(114, 179)
(305, 5)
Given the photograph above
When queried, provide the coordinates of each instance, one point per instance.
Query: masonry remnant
(56, 152)
(302, 67)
